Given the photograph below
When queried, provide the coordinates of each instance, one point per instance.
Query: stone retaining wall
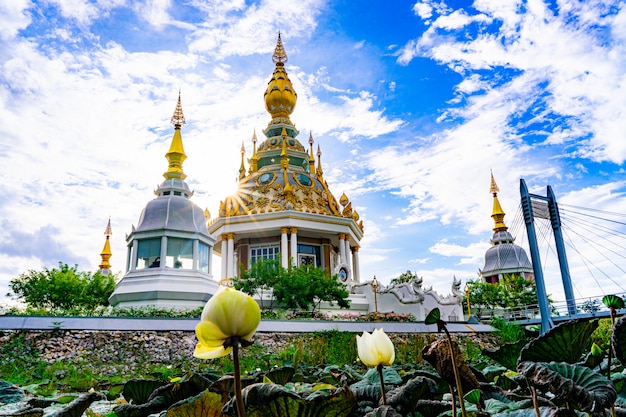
(121, 346)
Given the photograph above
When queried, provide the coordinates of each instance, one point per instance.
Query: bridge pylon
(546, 208)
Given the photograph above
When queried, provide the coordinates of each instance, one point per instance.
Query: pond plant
(548, 376)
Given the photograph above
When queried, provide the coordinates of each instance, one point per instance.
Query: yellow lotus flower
(376, 348)
(228, 315)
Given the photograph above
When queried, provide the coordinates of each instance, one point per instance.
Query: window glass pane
(203, 257)
(263, 252)
(310, 255)
(179, 253)
(148, 253)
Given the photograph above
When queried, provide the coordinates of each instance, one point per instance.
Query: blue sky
(413, 103)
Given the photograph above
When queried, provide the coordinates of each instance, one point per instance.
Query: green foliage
(62, 287)
(508, 332)
(294, 288)
(405, 277)
(510, 292)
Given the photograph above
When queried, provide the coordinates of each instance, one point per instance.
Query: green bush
(63, 287)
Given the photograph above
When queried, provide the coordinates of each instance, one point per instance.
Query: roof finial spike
(242, 168)
(254, 161)
(105, 266)
(319, 171)
(311, 155)
(497, 213)
(494, 187)
(178, 119)
(108, 231)
(176, 154)
(280, 56)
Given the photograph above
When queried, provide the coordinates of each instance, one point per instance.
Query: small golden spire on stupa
(176, 154)
(497, 214)
(254, 161)
(242, 168)
(319, 172)
(280, 56)
(105, 266)
(311, 156)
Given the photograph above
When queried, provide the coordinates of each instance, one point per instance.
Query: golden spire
(280, 97)
(280, 56)
(319, 171)
(311, 157)
(106, 254)
(242, 168)
(254, 161)
(176, 154)
(497, 214)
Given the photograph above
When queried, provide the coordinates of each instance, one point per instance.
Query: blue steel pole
(555, 219)
(542, 298)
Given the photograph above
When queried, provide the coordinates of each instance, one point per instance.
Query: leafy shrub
(62, 287)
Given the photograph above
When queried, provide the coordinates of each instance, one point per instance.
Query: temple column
(355, 265)
(231, 256)
(133, 256)
(342, 248)
(347, 251)
(294, 245)
(195, 255)
(224, 256)
(163, 252)
(284, 249)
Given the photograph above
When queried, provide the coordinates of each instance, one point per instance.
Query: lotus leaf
(433, 316)
(577, 384)
(613, 301)
(205, 404)
(473, 397)
(370, 393)
(543, 412)
(619, 339)
(405, 397)
(507, 354)
(491, 372)
(438, 355)
(565, 342)
(281, 375)
(137, 391)
(383, 411)
(430, 408)
(77, 407)
(26, 412)
(271, 400)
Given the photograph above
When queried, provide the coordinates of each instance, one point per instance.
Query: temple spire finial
(105, 266)
(242, 168)
(319, 172)
(311, 156)
(254, 161)
(280, 56)
(497, 213)
(176, 154)
(178, 118)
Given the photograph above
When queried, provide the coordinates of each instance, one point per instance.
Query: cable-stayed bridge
(577, 252)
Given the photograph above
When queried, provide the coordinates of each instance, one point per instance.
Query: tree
(259, 279)
(407, 277)
(63, 287)
(509, 292)
(294, 288)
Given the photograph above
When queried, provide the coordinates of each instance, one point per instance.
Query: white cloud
(13, 17)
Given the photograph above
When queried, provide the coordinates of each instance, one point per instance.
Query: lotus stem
(533, 392)
(457, 378)
(608, 368)
(241, 409)
(379, 368)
